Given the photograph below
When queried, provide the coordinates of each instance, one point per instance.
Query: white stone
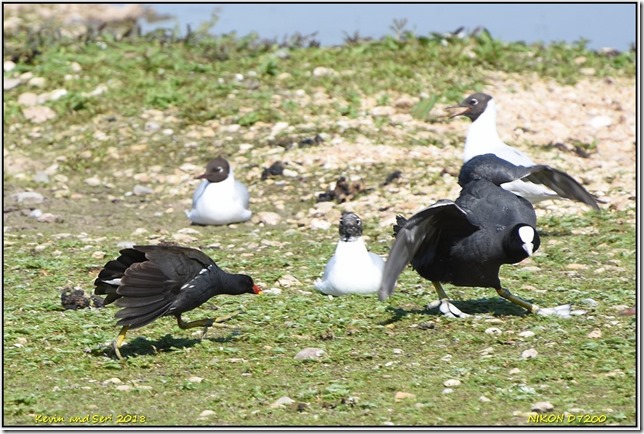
(382, 111)
(28, 197)
(282, 401)
(529, 354)
(310, 354)
(93, 181)
(542, 407)
(320, 224)
(141, 190)
(322, 71)
(10, 83)
(526, 334)
(600, 122)
(269, 218)
(37, 82)
(493, 331)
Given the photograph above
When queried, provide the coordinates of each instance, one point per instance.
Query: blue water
(603, 25)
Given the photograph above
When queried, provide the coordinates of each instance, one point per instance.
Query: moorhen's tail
(110, 276)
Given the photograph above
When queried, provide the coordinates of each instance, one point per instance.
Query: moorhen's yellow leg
(206, 322)
(119, 341)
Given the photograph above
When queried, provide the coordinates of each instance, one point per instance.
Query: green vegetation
(59, 363)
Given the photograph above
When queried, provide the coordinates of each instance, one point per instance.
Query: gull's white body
(351, 270)
(220, 203)
(482, 138)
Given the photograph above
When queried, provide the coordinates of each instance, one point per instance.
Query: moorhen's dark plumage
(149, 282)
(482, 138)
(465, 242)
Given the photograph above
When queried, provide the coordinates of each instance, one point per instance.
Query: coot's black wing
(499, 171)
(420, 236)
(491, 168)
(561, 183)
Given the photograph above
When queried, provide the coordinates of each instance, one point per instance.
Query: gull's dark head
(472, 107)
(217, 170)
(350, 227)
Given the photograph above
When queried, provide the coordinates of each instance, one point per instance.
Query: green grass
(57, 363)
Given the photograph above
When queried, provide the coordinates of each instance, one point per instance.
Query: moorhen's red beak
(257, 290)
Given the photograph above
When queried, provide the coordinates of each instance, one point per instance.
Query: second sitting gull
(352, 269)
(220, 199)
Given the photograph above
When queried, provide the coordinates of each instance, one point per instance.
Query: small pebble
(452, 383)
(493, 331)
(595, 334)
(124, 388)
(310, 354)
(529, 354)
(35, 213)
(282, 401)
(447, 390)
(320, 224)
(93, 181)
(288, 280)
(514, 371)
(10, 83)
(526, 334)
(140, 190)
(28, 99)
(41, 177)
(196, 380)
(542, 407)
(590, 302)
(399, 396)
(322, 71)
(207, 413)
(113, 380)
(269, 218)
(48, 218)
(28, 197)
(484, 399)
(37, 82)
(38, 114)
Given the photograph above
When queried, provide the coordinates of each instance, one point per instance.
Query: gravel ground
(543, 118)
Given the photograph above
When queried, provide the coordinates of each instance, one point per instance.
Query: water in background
(603, 25)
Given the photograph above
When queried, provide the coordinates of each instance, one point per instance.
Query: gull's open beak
(458, 110)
